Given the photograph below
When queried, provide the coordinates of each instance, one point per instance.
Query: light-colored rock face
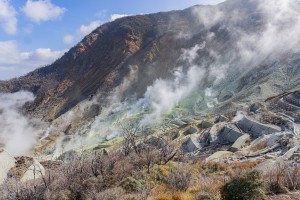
(33, 172)
(240, 142)
(218, 155)
(214, 131)
(6, 163)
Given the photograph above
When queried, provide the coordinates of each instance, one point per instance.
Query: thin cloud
(113, 17)
(8, 20)
(69, 39)
(211, 2)
(86, 29)
(42, 10)
(15, 63)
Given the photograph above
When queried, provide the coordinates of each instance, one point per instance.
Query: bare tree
(130, 130)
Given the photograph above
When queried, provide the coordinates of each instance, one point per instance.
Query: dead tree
(130, 130)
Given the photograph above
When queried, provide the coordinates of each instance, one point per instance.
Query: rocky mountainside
(102, 59)
(195, 97)
(160, 68)
(152, 45)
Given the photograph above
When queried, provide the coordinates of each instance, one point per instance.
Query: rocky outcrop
(191, 144)
(205, 124)
(36, 170)
(21, 168)
(239, 143)
(218, 155)
(229, 134)
(256, 129)
(6, 163)
(190, 131)
(156, 142)
(221, 119)
(290, 102)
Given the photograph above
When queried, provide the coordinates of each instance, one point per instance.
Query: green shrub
(132, 185)
(205, 196)
(246, 187)
(277, 188)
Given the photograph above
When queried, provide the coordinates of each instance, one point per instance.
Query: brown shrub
(180, 178)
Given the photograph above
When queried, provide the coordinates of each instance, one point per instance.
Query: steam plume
(16, 133)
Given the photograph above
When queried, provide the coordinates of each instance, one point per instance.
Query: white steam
(16, 133)
(265, 32)
(278, 30)
(163, 95)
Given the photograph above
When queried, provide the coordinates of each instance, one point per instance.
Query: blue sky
(34, 33)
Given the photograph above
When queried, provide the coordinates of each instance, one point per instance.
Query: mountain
(208, 97)
(201, 60)
(152, 44)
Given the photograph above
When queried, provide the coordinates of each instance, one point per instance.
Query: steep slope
(99, 61)
(162, 67)
(152, 43)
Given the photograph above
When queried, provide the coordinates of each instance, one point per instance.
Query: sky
(34, 33)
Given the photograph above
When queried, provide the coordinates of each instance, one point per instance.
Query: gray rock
(206, 139)
(256, 129)
(188, 120)
(172, 135)
(190, 145)
(239, 143)
(229, 134)
(215, 131)
(36, 170)
(155, 141)
(206, 124)
(6, 163)
(179, 123)
(221, 118)
(190, 131)
(254, 107)
(218, 155)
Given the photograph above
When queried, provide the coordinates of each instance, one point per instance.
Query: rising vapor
(17, 135)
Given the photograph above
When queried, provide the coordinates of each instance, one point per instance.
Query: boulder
(214, 132)
(6, 163)
(190, 145)
(218, 155)
(36, 170)
(256, 129)
(229, 134)
(22, 168)
(156, 142)
(239, 143)
(190, 131)
(179, 123)
(173, 135)
(188, 120)
(206, 139)
(205, 125)
(255, 107)
(221, 118)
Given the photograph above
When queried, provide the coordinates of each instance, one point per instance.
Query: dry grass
(207, 184)
(101, 176)
(163, 192)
